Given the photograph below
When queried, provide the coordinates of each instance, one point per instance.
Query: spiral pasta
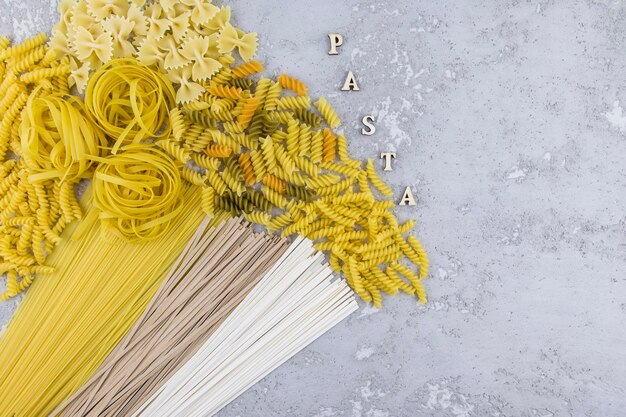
(329, 147)
(216, 150)
(375, 179)
(24, 47)
(248, 111)
(328, 112)
(273, 95)
(175, 150)
(247, 68)
(245, 161)
(224, 91)
(293, 84)
(293, 103)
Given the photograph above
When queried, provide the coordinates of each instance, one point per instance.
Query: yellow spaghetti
(69, 322)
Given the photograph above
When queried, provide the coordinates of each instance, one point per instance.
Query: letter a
(407, 198)
(350, 83)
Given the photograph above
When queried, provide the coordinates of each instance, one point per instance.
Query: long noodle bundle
(58, 139)
(217, 269)
(296, 302)
(129, 101)
(68, 323)
(138, 192)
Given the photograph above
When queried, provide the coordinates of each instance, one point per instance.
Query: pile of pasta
(165, 101)
(161, 108)
(46, 141)
(264, 150)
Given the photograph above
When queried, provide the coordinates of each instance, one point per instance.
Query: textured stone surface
(508, 120)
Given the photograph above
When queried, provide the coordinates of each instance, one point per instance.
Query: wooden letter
(350, 83)
(367, 121)
(336, 40)
(388, 156)
(407, 198)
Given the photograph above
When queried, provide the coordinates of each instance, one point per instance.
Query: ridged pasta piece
(293, 134)
(258, 217)
(226, 140)
(342, 169)
(196, 105)
(23, 47)
(286, 162)
(307, 166)
(216, 182)
(248, 111)
(317, 147)
(245, 162)
(274, 197)
(308, 117)
(324, 180)
(301, 193)
(204, 161)
(258, 164)
(225, 91)
(293, 84)
(37, 75)
(328, 113)
(344, 156)
(221, 108)
(267, 148)
(243, 83)
(192, 176)
(376, 181)
(247, 68)
(275, 183)
(423, 263)
(28, 60)
(232, 176)
(335, 188)
(304, 139)
(177, 123)
(273, 95)
(215, 150)
(293, 103)
(329, 146)
(175, 150)
(208, 200)
(200, 117)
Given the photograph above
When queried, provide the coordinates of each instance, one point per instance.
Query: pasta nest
(129, 101)
(138, 192)
(58, 138)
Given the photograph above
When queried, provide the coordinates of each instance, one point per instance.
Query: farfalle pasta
(183, 39)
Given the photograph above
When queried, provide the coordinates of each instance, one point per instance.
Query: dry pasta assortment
(46, 145)
(161, 108)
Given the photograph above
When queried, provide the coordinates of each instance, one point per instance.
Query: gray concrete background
(508, 119)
